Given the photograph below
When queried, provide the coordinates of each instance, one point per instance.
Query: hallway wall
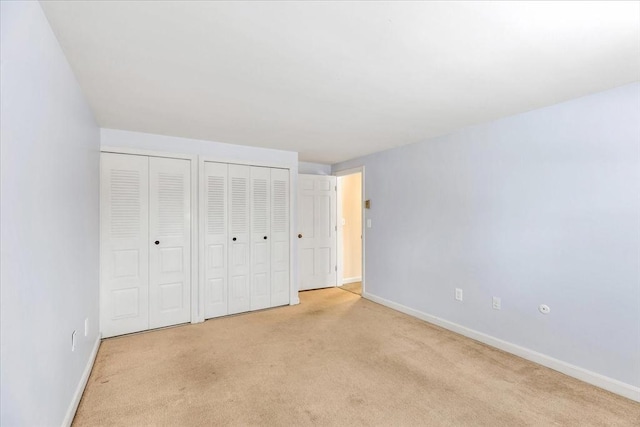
(352, 229)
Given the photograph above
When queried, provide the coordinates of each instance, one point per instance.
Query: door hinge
(335, 188)
(336, 268)
(336, 227)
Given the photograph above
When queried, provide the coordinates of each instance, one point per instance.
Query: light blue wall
(542, 207)
(49, 222)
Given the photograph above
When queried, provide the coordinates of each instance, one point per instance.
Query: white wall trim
(75, 401)
(346, 280)
(339, 234)
(623, 389)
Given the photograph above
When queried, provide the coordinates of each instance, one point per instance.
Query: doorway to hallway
(350, 231)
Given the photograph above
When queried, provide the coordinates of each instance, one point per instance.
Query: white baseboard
(623, 389)
(348, 280)
(73, 407)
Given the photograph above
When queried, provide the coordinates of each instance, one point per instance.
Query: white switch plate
(497, 303)
(458, 294)
(368, 223)
(86, 327)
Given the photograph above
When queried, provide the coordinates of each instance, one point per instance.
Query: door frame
(195, 257)
(293, 285)
(338, 174)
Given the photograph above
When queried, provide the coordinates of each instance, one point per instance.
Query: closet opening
(350, 236)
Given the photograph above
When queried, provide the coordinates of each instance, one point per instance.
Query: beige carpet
(300, 366)
(355, 287)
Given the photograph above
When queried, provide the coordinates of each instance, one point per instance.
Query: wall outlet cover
(544, 309)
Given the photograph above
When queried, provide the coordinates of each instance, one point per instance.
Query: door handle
(157, 242)
(234, 239)
(265, 237)
(299, 236)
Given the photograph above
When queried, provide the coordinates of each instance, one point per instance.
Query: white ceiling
(336, 80)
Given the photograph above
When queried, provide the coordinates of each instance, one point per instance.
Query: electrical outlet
(73, 341)
(86, 327)
(458, 294)
(497, 303)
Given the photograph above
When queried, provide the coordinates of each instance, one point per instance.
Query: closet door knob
(265, 237)
(299, 236)
(234, 239)
(157, 242)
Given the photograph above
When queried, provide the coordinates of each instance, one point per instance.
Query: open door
(317, 231)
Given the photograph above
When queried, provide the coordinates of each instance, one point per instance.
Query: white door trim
(340, 279)
(197, 314)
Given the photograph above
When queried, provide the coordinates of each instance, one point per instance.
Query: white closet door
(215, 239)
(169, 242)
(124, 250)
(260, 234)
(317, 231)
(239, 239)
(279, 237)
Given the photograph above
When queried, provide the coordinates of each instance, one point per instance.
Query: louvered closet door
(239, 239)
(215, 239)
(169, 241)
(260, 234)
(124, 250)
(279, 237)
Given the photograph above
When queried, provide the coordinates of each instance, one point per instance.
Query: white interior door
(169, 241)
(279, 237)
(124, 249)
(260, 231)
(317, 231)
(215, 239)
(239, 239)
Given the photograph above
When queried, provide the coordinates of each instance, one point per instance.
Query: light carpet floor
(299, 366)
(355, 287)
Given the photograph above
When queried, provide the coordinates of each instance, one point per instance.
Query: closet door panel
(260, 244)
(239, 239)
(169, 241)
(124, 251)
(215, 239)
(279, 237)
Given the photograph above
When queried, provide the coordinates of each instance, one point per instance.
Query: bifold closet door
(215, 237)
(239, 239)
(279, 237)
(124, 241)
(169, 241)
(260, 234)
